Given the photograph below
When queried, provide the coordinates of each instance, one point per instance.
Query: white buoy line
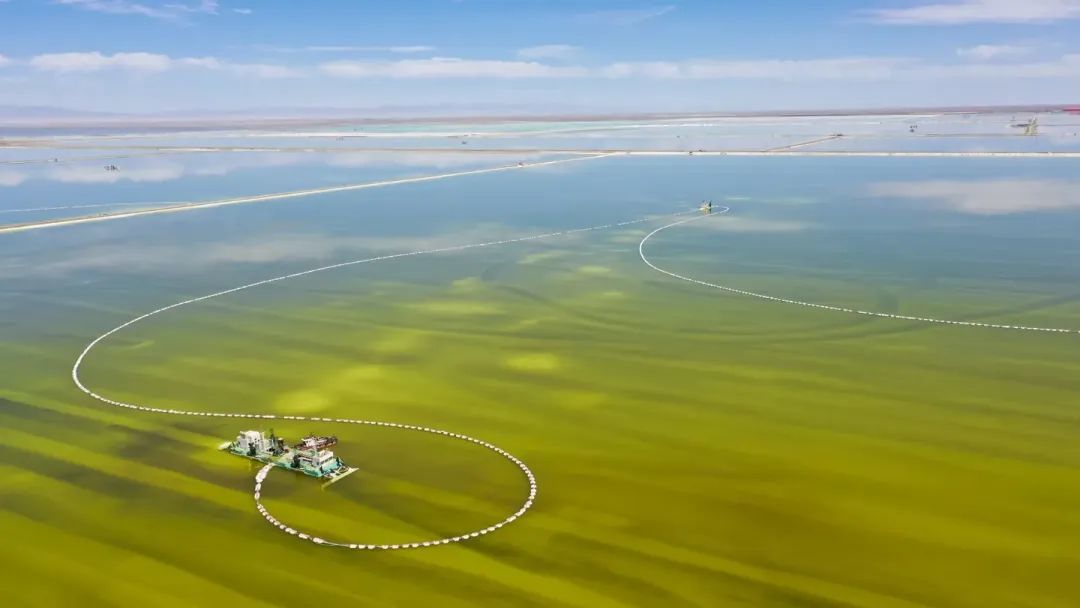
(261, 476)
(853, 311)
(530, 498)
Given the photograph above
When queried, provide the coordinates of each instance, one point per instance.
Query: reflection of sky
(873, 224)
(885, 225)
(151, 168)
(265, 249)
(18, 155)
(667, 138)
(205, 176)
(1015, 143)
(987, 197)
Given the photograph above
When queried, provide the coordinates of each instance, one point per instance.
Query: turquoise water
(17, 155)
(29, 192)
(1012, 143)
(645, 139)
(813, 209)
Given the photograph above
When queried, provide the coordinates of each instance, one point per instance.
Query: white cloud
(151, 62)
(259, 70)
(983, 52)
(988, 197)
(843, 69)
(209, 7)
(866, 68)
(549, 51)
(1066, 67)
(979, 11)
(242, 11)
(210, 63)
(4, 60)
(403, 49)
(627, 16)
(448, 67)
(95, 61)
(156, 10)
(263, 70)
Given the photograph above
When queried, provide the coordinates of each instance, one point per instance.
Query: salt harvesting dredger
(310, 456)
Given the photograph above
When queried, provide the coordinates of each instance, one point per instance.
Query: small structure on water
(311, 456)
(1030, 127)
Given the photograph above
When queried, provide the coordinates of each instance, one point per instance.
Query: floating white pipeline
(530, 498)
(853, 311)
(530, 478)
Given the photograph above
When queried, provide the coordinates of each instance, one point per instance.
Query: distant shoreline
(241, 121)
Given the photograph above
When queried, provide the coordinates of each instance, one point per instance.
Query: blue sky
(537, 55)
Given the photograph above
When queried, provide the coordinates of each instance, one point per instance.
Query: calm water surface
(692, 447)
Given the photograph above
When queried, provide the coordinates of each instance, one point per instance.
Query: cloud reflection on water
(735, 223)
(987, 197)
(163, 169)
(311, 247)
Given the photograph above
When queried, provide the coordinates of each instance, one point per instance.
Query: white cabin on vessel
(319, 459)
(248, 439)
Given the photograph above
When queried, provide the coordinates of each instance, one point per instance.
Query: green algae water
(692, 448)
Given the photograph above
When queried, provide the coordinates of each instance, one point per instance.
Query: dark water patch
(113, 486)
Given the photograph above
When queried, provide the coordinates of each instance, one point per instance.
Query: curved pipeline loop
(531, 479)
(853, 311)
(261, 476)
